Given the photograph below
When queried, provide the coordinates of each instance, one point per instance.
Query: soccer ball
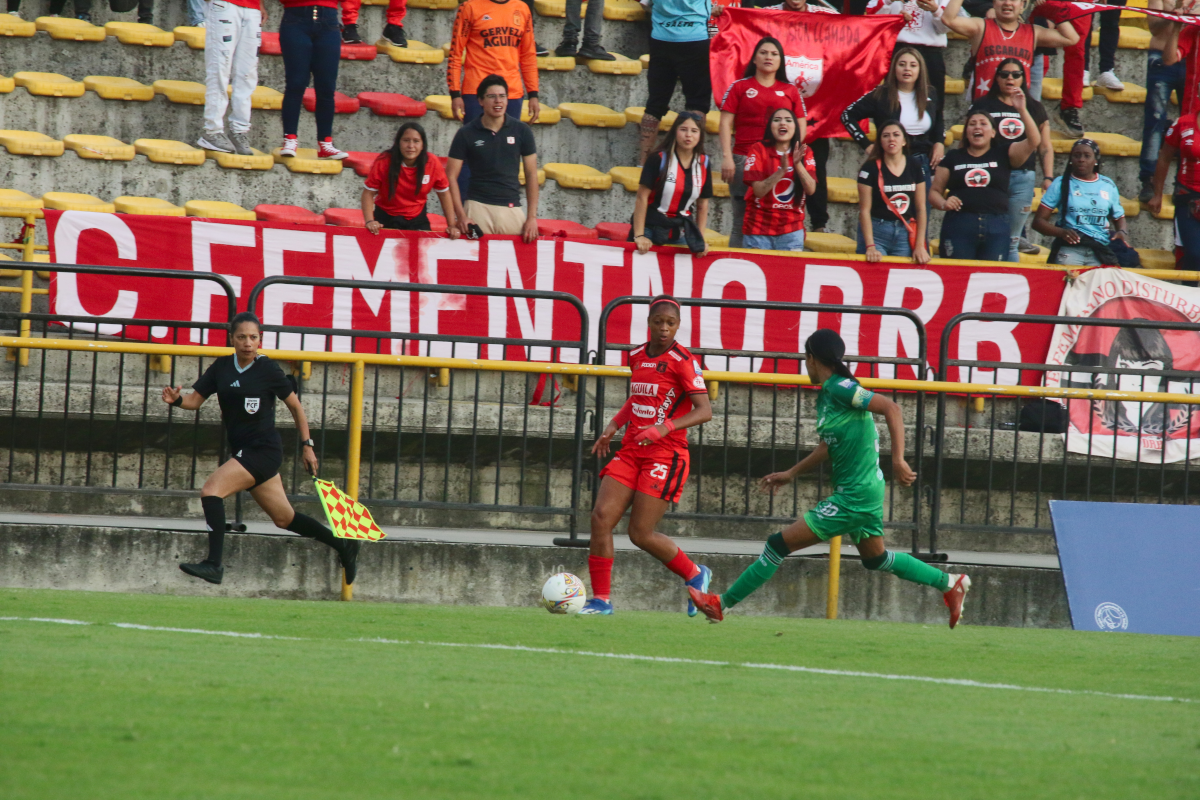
(564, 594)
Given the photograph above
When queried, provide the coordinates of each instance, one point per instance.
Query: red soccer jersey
(996, 45)
(780, 210)
(1182, 135)
(660, 388)
(405, 201)
(751, 104)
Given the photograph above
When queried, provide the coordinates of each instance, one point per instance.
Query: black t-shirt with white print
(981, 182)
(1009, 125)
(902, 188)
(247, 399)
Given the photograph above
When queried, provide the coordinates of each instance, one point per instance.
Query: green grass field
(100, 711)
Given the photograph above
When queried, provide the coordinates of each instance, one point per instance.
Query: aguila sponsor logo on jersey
(977, 178)
(252, 404)
(502, 36)
(641, 388)
(806, 73)
(1011, 127)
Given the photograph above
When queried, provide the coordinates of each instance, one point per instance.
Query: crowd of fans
(775, 171)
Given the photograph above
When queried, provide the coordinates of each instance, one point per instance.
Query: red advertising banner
(595, 271)
(832, 59)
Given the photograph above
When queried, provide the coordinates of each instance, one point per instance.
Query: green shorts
(833, 517)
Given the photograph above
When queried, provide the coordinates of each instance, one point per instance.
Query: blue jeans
(793, 241)
(1188, 228)
(311, 40)
(472, 110)
(974, 237)
(196, 12)
(1020, 201)
(1160, 80)
(1077, 256)
(922, 161)
(890, 237)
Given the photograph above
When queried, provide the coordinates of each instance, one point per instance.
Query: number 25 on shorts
(659, 471)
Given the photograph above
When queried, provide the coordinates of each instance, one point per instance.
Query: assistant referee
(247, 384)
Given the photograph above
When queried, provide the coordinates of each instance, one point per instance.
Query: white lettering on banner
(971, 333)
(503, 272)
(594, 258)
(349, 264)
(682, 290)
(895, 330)
(204, 236)
(721, 273)
(430, 304)
(276, 242)
(66, 246)
(646, 280)
(845, 279)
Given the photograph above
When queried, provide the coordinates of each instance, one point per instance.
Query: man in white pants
(233, 30)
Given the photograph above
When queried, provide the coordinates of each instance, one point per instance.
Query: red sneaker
(709, 604)
(955, 595)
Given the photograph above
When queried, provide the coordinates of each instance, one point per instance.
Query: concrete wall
(106, 559)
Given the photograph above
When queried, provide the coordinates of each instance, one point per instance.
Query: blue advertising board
(1130, 567)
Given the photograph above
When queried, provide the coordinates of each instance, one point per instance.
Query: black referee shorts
(682, 62)
(262, 463)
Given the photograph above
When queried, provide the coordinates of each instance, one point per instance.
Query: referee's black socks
(214, 517)
(308, 527)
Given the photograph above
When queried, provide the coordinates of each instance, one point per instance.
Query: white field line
(840, 673)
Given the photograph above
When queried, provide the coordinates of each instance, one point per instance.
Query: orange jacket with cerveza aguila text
(493, 38)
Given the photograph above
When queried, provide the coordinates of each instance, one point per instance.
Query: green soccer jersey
(845, 425)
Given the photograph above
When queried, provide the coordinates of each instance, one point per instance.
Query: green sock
(905, 567)
(757, 573)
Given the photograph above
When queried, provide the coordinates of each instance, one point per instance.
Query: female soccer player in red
(666, 395)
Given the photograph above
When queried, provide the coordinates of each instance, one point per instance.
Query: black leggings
(678, 62)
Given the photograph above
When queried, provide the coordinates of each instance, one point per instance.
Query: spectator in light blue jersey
(1086, 203)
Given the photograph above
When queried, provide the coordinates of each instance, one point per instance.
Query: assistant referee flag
(348, 519)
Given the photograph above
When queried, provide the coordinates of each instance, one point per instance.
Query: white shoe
(290, 143)
(1109, 80)
(16, 14)
(1087, 77)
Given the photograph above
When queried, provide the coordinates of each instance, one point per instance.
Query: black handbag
(1043, 415)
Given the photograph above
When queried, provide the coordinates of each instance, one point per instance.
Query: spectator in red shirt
(776, 189)
(763, 88)
(1182, 141)
(399, 184)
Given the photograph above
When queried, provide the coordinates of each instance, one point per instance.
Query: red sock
(600, 570)
(682, 566)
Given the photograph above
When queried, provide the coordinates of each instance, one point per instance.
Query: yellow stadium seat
(259, 160)
(263, 97)
(15, 26)
(16, 200)
(579, 176)
(720, 187)
(101, 148)
(139, 33)
(7, 85)
(147, 207)
(547, 115)
(955, 86)
(1168, 208)
(118, 88)
(446, 48)
(1132, 93)
(829, 243)
(624, 10)
(30, 143)
(72, 201)
(440, 103)
(49, 84)
(1157, 259)
(1052, 90)
(591, 115)
(1134, 19)
(1037, 198)
(1111, 144)
(715, 239)
(554, 63)
(1040, 257)
(712, 122)
(1130, 38)
(436, 5)
(415, 53)
(627, 177)
(555, 8)
(168, 151)
(645, 59)
(192, 37)
(1132, 207)
(186, 92)
(842, 190)
(622, 66)
(634, 114)
(70, 30)
(306, 161)
(541, 174)
(217, 209)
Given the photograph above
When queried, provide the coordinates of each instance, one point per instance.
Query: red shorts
(659, 472)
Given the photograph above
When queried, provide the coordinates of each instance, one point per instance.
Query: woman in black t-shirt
(1010, 78)
(891, 210)
(674, 189)
(975, 227)
(247, 385)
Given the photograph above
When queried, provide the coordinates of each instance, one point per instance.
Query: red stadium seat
(437, 223)
(294, 214)
(360, 161)
(359, 52)
(387, 104)
(269, 45)
(565, 229)
(342, 104)
(346, 217)
(614, 231)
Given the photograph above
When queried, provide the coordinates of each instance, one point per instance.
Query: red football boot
(955, 596)
(709, 604)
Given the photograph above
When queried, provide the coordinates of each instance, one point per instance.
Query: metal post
(26, 283)
(354, 449)
(835, 574)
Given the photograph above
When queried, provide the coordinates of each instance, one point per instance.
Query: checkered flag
(348, 519)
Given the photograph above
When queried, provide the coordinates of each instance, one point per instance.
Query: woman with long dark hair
(780, 172)
(1087, 204)
(745, 108)
(247, 384)
(848, 439)
(674, 190)
(399, 183)
(891, 199)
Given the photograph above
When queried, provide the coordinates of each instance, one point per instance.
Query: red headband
(653, 303)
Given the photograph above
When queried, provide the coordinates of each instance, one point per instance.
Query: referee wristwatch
(308, 443)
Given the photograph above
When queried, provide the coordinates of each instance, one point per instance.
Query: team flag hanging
(347, 518)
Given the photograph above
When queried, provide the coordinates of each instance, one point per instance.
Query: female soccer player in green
(846, 428)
